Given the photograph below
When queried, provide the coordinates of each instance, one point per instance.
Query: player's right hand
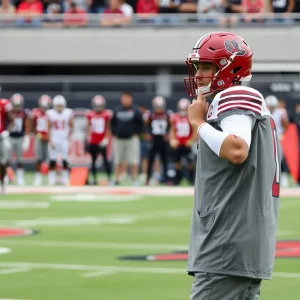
(198, 110)
(174, 143)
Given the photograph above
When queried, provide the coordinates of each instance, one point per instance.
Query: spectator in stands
(234, 7)
(53, 18)
(75, 17)
(114, 15)
(97, 6)
(146, 7)
(126, 126)
(212, 9)
(188, 6)
(6, 7)
(126, 9)
(253, 7)
(284, 7)
(80, 4)
(29, 12)
(168, 6)
(297, 7)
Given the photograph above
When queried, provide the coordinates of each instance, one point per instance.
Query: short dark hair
(126, 93)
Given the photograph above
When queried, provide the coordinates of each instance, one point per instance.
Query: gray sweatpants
(207, 286)
(16, 147)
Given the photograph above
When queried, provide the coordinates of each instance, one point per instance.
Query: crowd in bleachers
(57, 13)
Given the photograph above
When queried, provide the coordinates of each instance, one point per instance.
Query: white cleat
(37, 182)
(20, 181)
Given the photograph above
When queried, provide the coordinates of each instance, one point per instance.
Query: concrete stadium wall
(272, 46)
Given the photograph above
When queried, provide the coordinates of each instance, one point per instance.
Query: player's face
(59, 108)
(126, 100)
(17, 107)
(205, 72)
(98, 108)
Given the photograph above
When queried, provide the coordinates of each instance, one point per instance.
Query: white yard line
(123, 190)
(98, 274)
(93, 245)
(21, 204)
(13, 271)
(113, 269)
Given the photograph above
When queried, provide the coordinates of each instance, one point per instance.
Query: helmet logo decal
(234, 47)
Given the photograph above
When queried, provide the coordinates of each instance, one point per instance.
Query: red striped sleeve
(240, 99)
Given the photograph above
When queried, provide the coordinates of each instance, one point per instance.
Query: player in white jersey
(61, 125)
(280, 117)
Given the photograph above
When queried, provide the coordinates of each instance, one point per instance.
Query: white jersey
(277, 115)
(60, 128)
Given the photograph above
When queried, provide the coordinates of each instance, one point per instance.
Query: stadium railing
(140, 21)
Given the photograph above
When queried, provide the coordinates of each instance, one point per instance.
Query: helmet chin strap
(205, 90)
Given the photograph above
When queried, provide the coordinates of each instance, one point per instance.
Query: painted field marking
(98, 274)
(93, 245)
(94, 198)
(13, 270)
(4, 250)
(21, 204)
(89, 220)
(124, 190)
(116, 269)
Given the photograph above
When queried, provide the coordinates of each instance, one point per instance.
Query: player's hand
(174, 143)
(198, 110)
(39, 136)
(189, 143)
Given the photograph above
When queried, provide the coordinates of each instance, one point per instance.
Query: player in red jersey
(41, 130)
(5, 117)
(182, 137)
(20, 133)
(98, 134)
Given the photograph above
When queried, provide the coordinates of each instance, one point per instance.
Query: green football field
(83, 232)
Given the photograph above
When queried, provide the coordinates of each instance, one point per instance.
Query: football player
(234, 220)
(20, 133)
(182, 137)
(158, 122)
(6, 117)
(41, 130)
(60, 120)
(98, 134)
(281, 119)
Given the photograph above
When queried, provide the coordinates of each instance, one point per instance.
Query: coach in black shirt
(126, 126)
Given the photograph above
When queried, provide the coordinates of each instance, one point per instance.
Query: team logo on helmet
(234, 46)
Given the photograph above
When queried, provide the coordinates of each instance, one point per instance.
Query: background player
(182, 137)
(280, 117)
(98, 134)
(60, 125)
(20, 133)
(233, 234)
(6, 117)
(41, 131)
(158, 122)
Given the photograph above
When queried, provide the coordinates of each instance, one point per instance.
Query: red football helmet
(229, 52)
(17, 101)
(45, 101)
(183, 105)
(98, 103)
(159, 103)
